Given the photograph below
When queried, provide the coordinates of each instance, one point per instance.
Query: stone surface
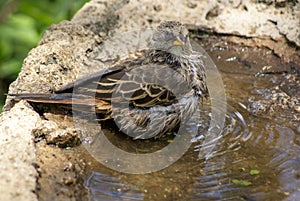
(57, 60)
(17, 153)
(264, 23)
(57, 133)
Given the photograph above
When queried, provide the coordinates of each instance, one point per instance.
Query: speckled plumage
(129, 92)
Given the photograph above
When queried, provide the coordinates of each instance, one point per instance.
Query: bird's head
(171, 36)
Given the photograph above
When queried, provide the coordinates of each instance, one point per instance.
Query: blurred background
(22, 24)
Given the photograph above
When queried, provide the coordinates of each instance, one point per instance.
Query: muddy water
(256, 158)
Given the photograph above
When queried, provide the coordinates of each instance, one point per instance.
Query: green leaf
(241, 182)
(254, 172)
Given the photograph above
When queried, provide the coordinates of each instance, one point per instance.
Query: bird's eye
(181, 37)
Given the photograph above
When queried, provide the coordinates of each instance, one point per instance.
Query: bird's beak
(178, 42)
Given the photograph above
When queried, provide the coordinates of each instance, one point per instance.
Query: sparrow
(147, 96)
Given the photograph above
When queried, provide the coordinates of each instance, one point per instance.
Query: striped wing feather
(122, 83)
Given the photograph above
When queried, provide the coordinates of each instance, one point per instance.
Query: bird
(148, 96)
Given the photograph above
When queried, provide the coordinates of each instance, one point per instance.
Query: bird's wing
(132, 81)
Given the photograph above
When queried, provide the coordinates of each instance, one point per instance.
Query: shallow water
(255, 158)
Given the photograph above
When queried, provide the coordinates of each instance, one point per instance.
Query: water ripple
(105, 187)
(251, 163)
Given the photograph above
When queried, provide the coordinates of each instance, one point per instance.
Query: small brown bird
(147, 96)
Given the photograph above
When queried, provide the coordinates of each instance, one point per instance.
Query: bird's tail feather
(63, 98)
(66, 98)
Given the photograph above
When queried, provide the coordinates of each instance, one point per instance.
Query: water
(255, 157)
(254, 160)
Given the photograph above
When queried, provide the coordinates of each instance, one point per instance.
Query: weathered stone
(17, 153)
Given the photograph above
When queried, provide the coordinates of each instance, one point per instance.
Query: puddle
(256, 158)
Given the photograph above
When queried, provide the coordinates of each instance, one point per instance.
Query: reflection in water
(253, 160)
(105, 187)
(270, 152)
(286, 161)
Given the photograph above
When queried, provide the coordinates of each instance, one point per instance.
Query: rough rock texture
(57, 59)
(269, 23)
(17, 153)
(64, 54)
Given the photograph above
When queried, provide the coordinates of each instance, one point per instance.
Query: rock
(17, 152)
(281, 102)
(56, 134)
